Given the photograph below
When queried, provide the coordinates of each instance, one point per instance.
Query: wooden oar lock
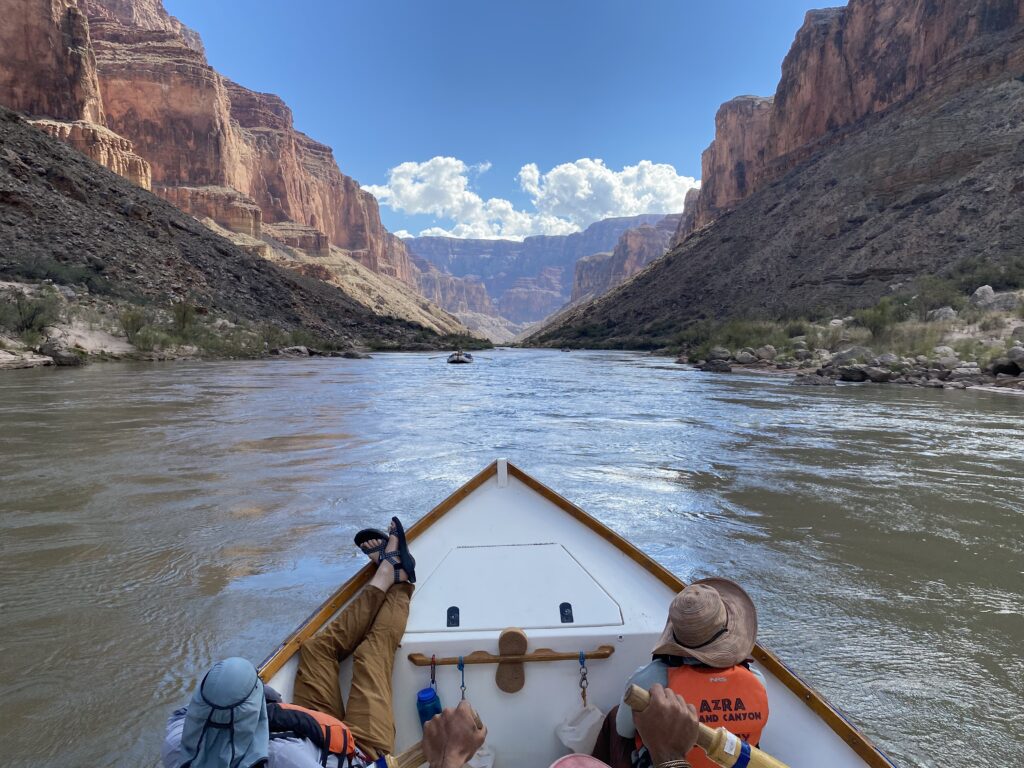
(722, 747)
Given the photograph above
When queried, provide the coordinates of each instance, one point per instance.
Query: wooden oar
(722, 747)
(413, 756)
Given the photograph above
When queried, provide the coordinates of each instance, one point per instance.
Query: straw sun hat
(713, 621)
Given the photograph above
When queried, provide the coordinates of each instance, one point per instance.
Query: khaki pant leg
(320, 657)
(370, 707)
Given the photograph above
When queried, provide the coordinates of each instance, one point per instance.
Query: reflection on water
(154, 518)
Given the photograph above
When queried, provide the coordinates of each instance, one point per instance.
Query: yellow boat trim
(860, 743)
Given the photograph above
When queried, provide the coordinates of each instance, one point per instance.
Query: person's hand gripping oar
(449, 741)
(722, 747)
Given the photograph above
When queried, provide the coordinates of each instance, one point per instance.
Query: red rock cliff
(48, 71)
(598, 274)
(846, 65)
(48, 68)
(219, 150)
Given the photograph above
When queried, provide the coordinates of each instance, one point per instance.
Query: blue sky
(487, 88)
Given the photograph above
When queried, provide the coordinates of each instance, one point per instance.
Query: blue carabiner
(462, 669)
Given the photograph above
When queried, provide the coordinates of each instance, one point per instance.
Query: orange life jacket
(330, 734)
(732, 698)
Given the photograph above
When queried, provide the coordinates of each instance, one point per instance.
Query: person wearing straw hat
(704, 656)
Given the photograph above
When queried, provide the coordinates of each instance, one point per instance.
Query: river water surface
(154, 518)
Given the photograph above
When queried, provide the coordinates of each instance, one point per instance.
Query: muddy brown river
(154, 518)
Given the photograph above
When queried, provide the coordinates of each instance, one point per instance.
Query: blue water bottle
(428, 704)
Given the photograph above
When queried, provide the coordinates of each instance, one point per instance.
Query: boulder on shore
(297, 351)
(852, 355)
(878, 375)
(715, 366)
(813, 380)
(942, 315)
(746, 357)
(986, 298)
(719, 353)
(853, 373)
(62, 357)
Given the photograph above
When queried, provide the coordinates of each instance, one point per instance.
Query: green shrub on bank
(992, 323)
(149, 339)
(824, 338)
(183, 318)
(29, 316)
(934, 292)
(979, 270)
(132, 321)
(881, 318)
(914, 338)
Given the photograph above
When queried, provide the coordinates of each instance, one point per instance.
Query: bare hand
(668, 726)
(452, 738)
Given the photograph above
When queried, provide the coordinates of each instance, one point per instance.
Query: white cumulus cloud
(566, 199)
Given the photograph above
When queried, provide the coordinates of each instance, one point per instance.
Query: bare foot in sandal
(390, 571)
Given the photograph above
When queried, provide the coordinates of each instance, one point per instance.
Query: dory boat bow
(506, 551)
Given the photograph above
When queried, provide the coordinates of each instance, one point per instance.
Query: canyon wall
(48, 68)
(846, 66)
(528, 279)
(220, 150)
(597, 274)
(129, 86)
(48, 72)
(893, 155)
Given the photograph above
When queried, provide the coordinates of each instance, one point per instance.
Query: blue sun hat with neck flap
(226, 724)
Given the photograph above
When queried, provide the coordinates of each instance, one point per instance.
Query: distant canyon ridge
(891, 152)
(129, 86)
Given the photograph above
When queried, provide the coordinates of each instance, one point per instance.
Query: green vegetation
(183, 315)
(40, 269)
(992, 323)
(132, 321)
(974, 271)
(881, 318)
(934, 292)
(29, 316)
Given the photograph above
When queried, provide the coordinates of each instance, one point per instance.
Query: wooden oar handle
(413, 756)
(724, 748)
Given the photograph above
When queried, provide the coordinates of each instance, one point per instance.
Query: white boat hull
(508, 553)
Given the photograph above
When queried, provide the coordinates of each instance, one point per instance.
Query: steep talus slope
(129, 86)
(891, 154)
(63, 215)
(845, 65)
(915, 194)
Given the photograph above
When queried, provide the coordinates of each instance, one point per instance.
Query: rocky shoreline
(860, 365)
(45, 324)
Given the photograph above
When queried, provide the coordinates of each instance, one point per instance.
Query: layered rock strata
(846, 66)
(103, 146)
(514, 272)
(62, 213)
(226, 206)
(454, 294)
(596, 275)
(47, 66)
(925, 182)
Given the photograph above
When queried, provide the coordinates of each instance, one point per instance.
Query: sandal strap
(377, 551)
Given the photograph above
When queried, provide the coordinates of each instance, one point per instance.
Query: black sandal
(406, 562)
(369, 534)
